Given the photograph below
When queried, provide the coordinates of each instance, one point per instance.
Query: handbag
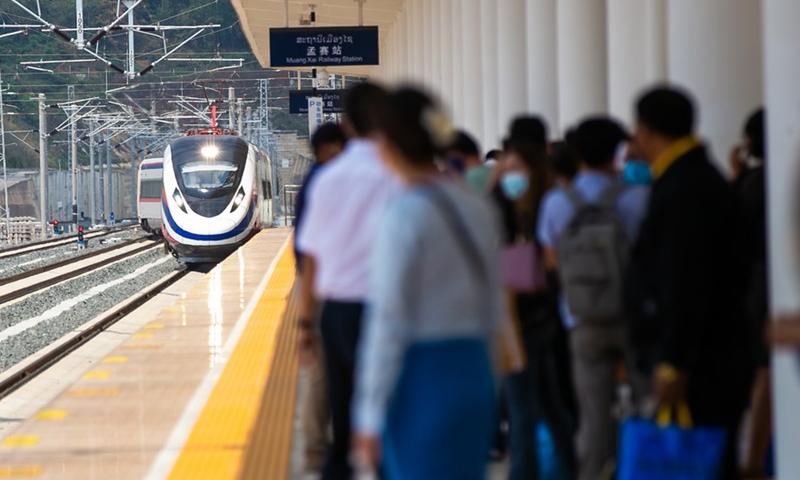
(512, 353)
(521, 268)
(651, 450)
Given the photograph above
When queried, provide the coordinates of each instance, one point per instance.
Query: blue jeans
(533, 395)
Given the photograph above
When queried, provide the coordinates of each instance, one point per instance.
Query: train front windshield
(209, 170)
(205, 177)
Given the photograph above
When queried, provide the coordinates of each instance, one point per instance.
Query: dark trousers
(500, 442)
(340, 324)
(533, 395)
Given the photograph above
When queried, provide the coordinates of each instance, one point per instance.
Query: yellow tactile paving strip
(217, 443)
(112, 425)
(268, 452)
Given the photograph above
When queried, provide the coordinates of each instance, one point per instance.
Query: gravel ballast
(19, 346)
(25, 262)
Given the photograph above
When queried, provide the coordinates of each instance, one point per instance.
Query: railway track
(59, 241)
(20, 374)
(24, 284)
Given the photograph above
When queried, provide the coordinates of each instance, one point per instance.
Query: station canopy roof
(258, 16)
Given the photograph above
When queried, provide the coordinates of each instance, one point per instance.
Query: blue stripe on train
(238, 230)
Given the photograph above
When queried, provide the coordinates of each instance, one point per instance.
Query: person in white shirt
(345, 201)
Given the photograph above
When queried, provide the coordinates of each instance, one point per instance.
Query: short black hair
(360, 105)
(569, 136)
(754, 129)
(326, 134)
(668, 111)
(597, 139)
(564, 160)
(494, 154)
(530, 129)
(465, 144)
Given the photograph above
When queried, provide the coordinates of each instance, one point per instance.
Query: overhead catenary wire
(104, 31)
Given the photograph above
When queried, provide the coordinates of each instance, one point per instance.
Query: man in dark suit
(688, 275)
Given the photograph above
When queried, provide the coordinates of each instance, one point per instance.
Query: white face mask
(514, 185)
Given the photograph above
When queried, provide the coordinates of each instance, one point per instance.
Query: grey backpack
(592, 253)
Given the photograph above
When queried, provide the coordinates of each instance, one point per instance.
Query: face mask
(514, 185)
(637, 173)
(456, 164)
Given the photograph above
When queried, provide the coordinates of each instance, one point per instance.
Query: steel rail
(27, 372)
(57, 242)
(59, 264)
(74, 273)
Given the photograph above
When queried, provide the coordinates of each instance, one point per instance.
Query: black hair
(754, 129)
(360, 104)
(564, 160)
(534, 156)
(326, 134)
(666, 110)
(402, 122)
(465, 144)
(569, 137)
(597, 139)
(494, 154)
(531, 129)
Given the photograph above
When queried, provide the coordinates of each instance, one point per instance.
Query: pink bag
(521, 268)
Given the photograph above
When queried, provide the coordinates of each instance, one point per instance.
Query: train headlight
(238, 199)
(209, 151)
(179, 200)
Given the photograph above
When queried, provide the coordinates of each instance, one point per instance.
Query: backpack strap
(577, 200)
(611, 194)
(459, 232)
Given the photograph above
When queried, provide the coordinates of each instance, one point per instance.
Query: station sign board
(332, 100)
(314, 114)
(323, 46)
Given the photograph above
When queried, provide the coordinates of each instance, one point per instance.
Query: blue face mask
(514, 185)
(456, 164)
(637, 173)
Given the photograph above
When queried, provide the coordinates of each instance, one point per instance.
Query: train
(148, 199)
(216, 194)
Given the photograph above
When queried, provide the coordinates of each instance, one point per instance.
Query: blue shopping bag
(549, 466)
(649, 451)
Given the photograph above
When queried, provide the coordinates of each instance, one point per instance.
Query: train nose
(206, 226)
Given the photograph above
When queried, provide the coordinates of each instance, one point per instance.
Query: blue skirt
(442, 415)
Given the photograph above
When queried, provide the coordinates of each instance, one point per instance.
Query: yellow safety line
(51, 415)
(23, 471)
(24, 441)
(269, 451)
(216, 445)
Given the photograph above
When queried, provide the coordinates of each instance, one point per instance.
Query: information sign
(314, 114)
(331, 100)
(323, 46)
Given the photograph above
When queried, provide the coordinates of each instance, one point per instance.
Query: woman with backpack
(532, 394)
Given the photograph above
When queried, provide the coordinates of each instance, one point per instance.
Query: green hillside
(157, 90)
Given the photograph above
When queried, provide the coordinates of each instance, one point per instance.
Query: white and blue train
(151, 174)
(217, 194)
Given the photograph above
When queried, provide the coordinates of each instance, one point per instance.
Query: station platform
(199, 384)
